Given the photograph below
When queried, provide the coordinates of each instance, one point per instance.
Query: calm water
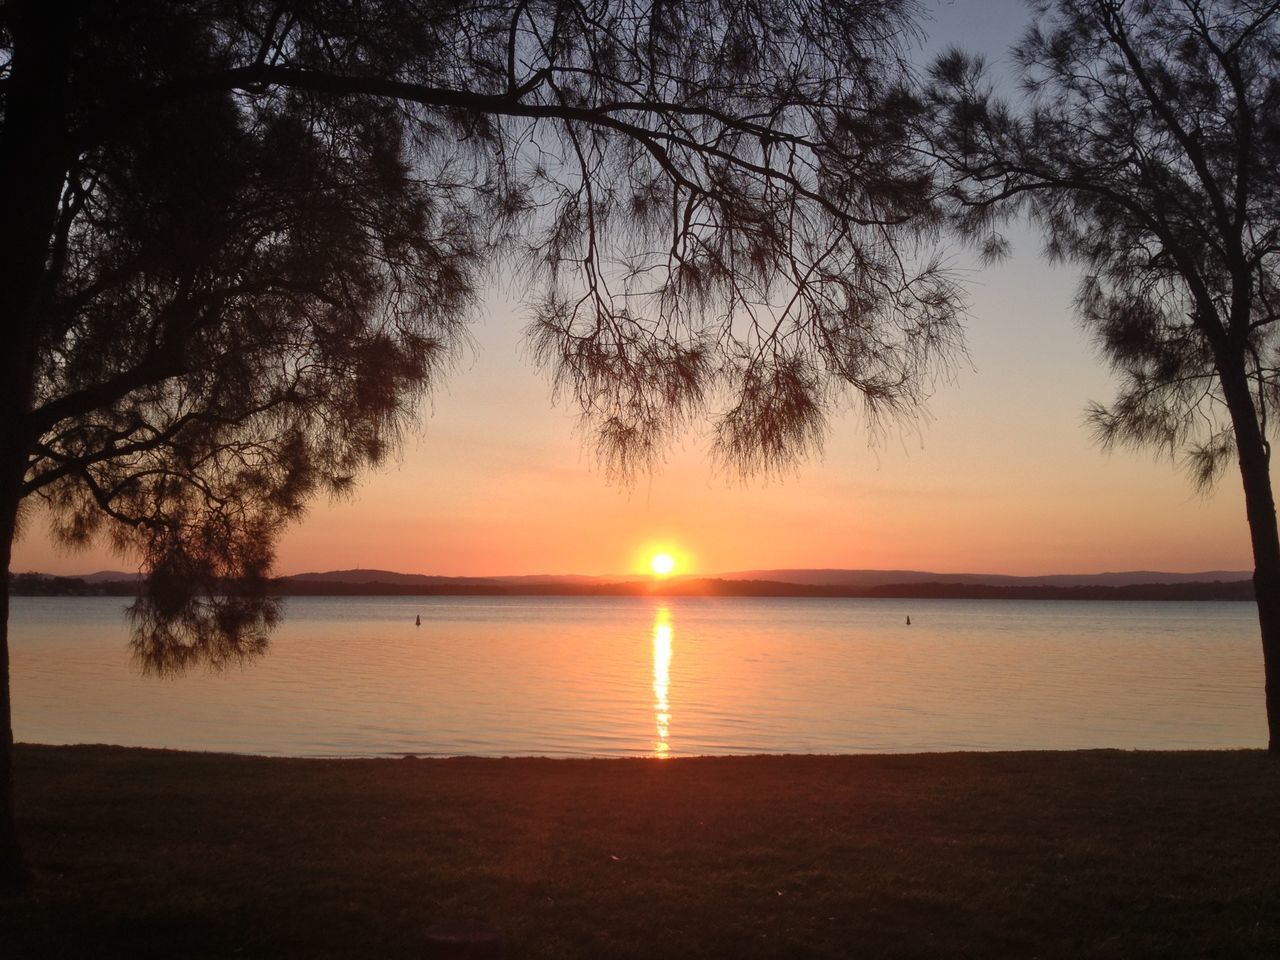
(606, 676)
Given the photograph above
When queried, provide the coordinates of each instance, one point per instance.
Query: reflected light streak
(662, 634)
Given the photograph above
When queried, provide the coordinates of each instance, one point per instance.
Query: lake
(493, 676)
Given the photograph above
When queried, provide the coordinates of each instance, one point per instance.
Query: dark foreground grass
(1095, 854)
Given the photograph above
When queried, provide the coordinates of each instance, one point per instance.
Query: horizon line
(699, 575)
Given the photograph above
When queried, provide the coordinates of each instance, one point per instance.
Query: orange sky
(1003, 478)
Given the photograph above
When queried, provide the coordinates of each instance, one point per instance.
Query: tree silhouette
(242, 238)
(1147, 151)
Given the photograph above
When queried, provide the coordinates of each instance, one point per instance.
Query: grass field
(1092, 854)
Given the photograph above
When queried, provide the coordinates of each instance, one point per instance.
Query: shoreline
(648, 757)
(1188, 591)
(144, 852)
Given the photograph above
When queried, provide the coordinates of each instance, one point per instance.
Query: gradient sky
(1002, 477)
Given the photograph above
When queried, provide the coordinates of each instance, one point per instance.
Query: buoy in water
(418, 622)
(908, 619)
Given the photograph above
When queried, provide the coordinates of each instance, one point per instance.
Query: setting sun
(662, 564)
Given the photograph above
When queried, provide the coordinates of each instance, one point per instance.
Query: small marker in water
(418, 621)
(908, 619)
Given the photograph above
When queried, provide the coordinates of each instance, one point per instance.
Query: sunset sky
(1002, 477)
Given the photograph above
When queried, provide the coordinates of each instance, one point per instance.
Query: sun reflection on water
(662, 634)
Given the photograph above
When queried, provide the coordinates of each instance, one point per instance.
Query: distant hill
(818, 577)
(102, 576)
(360, 575)
(879, 578)
(713, 587)
(897, 584)
(109, 576)
(807, 577)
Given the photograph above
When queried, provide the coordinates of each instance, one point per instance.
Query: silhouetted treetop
(247, 236)
(712, 203)
(1147, 148)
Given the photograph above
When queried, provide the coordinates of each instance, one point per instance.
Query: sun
(662, 564)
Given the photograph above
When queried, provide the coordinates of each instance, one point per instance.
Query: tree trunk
(1254, 456)
(1261, 509)
(32, 164)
